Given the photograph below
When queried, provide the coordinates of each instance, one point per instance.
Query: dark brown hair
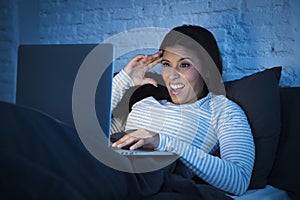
(188, 35)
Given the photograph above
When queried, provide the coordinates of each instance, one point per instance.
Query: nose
(174, 74)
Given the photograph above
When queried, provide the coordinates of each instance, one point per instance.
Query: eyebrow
(181, 59)
(185, 58)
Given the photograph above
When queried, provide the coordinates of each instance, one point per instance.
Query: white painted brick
(265, 3)
(221, 5)
(194, 7)
(147, 3)
(252, 34)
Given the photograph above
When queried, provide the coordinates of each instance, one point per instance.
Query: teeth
(176, 86)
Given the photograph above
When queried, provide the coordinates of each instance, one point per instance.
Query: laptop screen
(46, 74)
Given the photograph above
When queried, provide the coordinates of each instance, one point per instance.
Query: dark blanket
(41, 158)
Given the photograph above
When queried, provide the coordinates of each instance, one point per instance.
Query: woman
(197, 123)
(44, 159)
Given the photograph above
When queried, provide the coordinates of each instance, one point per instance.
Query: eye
(165, 64)
(185, 65)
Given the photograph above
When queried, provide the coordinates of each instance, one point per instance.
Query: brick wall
(252, 34)
(9, 39)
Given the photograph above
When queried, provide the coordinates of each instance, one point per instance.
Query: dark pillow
(137, 93)
(145, 91)
(259, 96)
(285, 173)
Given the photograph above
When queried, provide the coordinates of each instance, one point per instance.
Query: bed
(45, 78)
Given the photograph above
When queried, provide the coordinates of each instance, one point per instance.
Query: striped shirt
(194, 132)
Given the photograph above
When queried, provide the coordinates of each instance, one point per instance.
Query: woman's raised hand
(139, 65)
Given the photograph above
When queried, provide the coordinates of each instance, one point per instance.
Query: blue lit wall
(252, 34)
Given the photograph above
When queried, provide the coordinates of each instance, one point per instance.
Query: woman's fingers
(140, 143)
(148, 61)
(124, 141)
(153, 63)
(138, 57)
(138, 139)
(154, 59)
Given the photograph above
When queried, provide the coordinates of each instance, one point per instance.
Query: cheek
(195, 80)
(165, 75)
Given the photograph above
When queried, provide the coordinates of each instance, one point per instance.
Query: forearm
(231, 174)
(121, 82)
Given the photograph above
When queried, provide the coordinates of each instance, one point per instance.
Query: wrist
(127, 79)
(161, 142)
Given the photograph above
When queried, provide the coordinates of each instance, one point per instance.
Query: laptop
(45, 80)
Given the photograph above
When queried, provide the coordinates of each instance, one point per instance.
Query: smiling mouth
(175, 88)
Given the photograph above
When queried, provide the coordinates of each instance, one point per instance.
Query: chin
(177, 100)
(174, 100)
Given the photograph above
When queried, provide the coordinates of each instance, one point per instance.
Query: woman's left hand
(137, 139)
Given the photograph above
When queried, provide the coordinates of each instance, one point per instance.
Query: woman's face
(181, 74)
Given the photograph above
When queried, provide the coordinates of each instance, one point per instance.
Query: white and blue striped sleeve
(232, 171)
(121, 82)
